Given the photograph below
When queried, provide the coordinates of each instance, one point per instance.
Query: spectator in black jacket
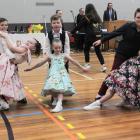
(79, 37)
(90, 20)
(60, 13)
(128, 47)
(109, 14)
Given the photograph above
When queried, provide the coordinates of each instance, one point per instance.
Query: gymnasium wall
(39, 11)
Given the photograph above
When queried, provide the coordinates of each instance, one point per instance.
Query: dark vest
(62, 38)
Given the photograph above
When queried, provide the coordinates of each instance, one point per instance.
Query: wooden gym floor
(34, 121)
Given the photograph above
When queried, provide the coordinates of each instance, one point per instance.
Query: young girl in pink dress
(10, 83)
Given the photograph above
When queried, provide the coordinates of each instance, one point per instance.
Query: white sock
(98, 102)
(59, 103)
(54, 101)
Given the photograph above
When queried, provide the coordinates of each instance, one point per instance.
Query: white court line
(41, 83)
(89, 78)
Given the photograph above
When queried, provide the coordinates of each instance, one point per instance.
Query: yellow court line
(81, 136)
(47, 113)
(41, 83)
(60, 118)
(40, 99)
(35, 95)
(26, 87)
(30, 91)
(70, 126)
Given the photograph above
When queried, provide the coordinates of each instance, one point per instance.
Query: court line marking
(24, 115)
(8, 126)
(41, 83)
(47, 113)
(39, 113)
(81, 136)
(87, 77)
(61, 118)
(70, 126)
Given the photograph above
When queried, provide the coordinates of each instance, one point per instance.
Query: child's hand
(29, 69)
(69, 33)
(3, 34)
(86, 69)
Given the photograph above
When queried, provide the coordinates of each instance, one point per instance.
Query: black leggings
(97, 51)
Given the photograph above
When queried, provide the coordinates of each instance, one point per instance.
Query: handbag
(97, 29)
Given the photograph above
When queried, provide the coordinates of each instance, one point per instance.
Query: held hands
(97, 43)
(85, 69)
(69, 34)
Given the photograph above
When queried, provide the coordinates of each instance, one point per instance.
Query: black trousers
(97, 51)
(79, 42)
(118, 60)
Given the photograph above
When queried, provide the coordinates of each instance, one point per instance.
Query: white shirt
(5, 49)
(110, 14)
(47, 48)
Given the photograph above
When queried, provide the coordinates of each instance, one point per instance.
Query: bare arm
(10, 45)
(67, 44)
(76, 63)
(38, 64)
(47, 48)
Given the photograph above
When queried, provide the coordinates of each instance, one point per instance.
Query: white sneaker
(92, 106)
(103, 69)
(54, 101)
(87, 65)
(3, 105)
(58, 108)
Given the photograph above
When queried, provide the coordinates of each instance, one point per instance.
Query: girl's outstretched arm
(76, 63)
(10, 45)
(38, 64)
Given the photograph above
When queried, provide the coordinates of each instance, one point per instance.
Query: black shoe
(97, 98)
(23, 101)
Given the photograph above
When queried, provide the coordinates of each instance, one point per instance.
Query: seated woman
(125, 82)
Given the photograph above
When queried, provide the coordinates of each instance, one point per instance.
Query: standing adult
(11, 86)
(90, 21)
(79, 37)
(60, 14)
(128, 47)
(109, 14)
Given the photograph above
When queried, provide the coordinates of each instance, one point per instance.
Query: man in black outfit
(109, 14)
(60, 13)
(79, 37)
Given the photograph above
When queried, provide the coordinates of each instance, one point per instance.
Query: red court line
(46, 112)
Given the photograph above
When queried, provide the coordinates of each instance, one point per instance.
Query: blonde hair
(57, 41)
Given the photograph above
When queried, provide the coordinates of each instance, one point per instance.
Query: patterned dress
(10, 84)
(58, 80)
(126, 81)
